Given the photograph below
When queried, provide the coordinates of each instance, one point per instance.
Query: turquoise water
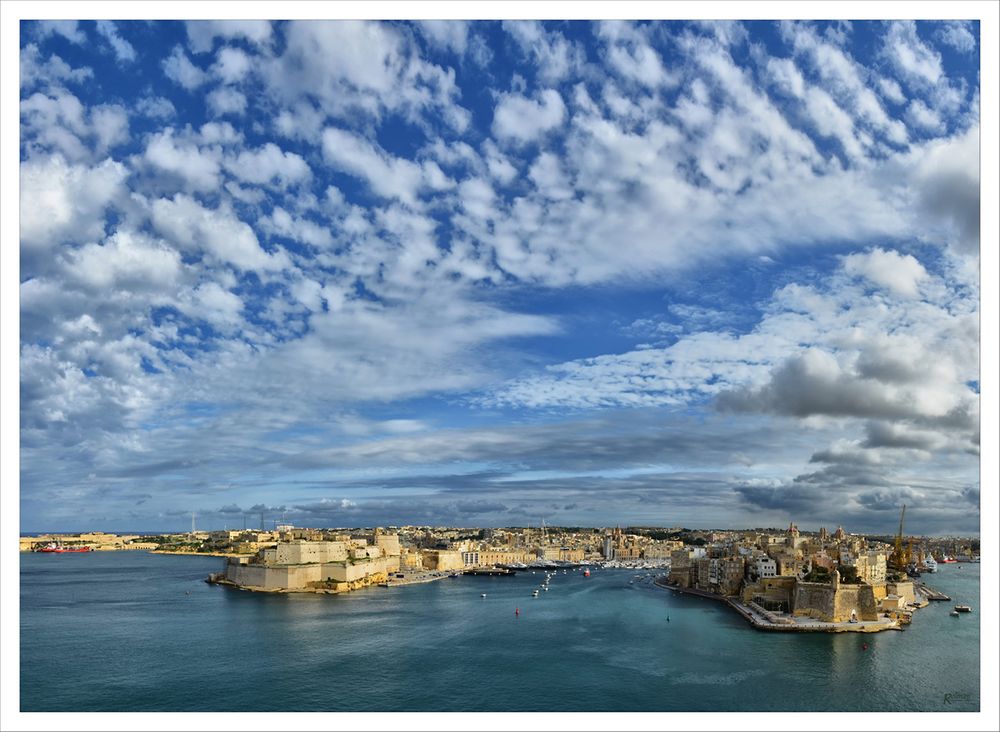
(130, 631)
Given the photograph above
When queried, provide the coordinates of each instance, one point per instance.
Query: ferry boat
(60, 549)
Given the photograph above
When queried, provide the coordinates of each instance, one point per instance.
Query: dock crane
(900, 556)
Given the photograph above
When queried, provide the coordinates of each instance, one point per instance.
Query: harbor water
(132, 631)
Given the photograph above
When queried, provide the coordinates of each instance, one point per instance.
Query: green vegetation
(848, 574)
(818, 574)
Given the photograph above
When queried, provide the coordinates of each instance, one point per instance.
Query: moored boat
(963, 609)
(60, 549)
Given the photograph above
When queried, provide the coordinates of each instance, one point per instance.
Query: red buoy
(517, 611)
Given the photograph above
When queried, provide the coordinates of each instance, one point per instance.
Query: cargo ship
(60, 549)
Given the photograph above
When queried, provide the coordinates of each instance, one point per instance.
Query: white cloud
(350, 67)
(226, 100)
(924, 118)
(217, 232)
(156, 107)
(299, 229)
(232, 65)
(202, 33)
(178, 67)
(35, 71)
(786, 76)
(451, 35)
(547, 175)
(901, 274)
(388, 176)
(198, 168)
(268, 163)
(110, 127)
(127, 259)
(832, 121)
(917, 62)
(629, 53)
(553, 56)
(211, 302)
(123, 49)
(66, 203)
(891, 90)
(519, 119)
(68, 29)
(958, 34)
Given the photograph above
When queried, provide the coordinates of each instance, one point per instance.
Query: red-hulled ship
(60, 549)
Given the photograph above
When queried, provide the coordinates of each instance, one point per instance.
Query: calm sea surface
(131, 631)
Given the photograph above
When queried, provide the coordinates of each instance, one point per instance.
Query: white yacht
(930, 563)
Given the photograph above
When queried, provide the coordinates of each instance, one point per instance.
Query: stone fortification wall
(859, 598)
(834, 605)
(305, 552)
(302, 576)
(814, 600)
(273, 578)
(903, 589)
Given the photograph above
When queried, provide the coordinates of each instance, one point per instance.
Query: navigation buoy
(864, 647)
(517, 612)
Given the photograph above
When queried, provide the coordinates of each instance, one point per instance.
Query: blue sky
(485, 273)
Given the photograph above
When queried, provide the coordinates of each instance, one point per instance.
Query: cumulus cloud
(202, 33)
(66, 203)
(689, 263)
(900, 274)
(123, 50)
(68, 29)
(958, 34)
(554, 57)
(218, 233)
(452, 35)
(388, 176)
(178, 67)
(522, 120)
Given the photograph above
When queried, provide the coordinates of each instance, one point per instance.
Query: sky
(351, 273)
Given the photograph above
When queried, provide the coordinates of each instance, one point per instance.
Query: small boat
(483, 595)
(954, 613)
(586, 573)
(61, 549)
(546, 589)
(963, 608)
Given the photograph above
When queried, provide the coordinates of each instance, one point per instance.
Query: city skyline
(488, 273)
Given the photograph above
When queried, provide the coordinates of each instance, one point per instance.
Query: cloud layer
(488, 272)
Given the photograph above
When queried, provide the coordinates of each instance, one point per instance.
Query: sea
(133, 631)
